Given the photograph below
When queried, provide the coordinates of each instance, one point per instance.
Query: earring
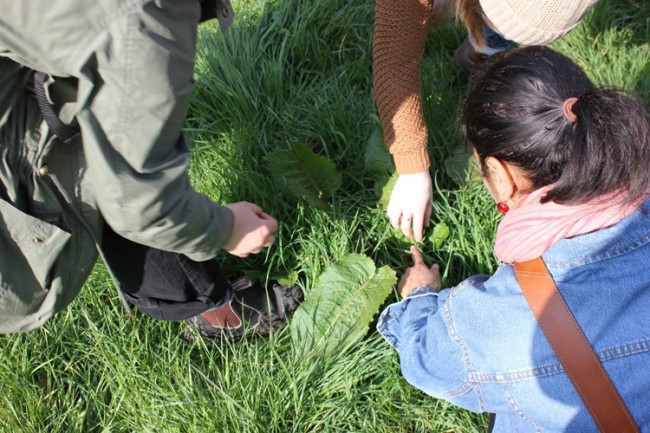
(502, 207)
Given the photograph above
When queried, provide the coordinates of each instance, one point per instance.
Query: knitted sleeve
(398, 43)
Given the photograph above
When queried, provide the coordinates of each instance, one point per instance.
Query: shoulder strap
(571, 347)
(64, 132)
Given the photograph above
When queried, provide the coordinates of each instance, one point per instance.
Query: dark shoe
(252, 310)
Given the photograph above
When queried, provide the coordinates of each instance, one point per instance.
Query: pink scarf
(531, 228)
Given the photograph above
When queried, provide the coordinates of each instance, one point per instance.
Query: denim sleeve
(430, 358)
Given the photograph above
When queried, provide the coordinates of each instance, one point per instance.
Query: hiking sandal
(252, 310)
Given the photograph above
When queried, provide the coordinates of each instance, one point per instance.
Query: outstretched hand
(252, 229)
(409, 207)
(418, 275)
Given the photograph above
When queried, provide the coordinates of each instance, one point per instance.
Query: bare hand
(418, 275)
(252, 230)
(409, 207)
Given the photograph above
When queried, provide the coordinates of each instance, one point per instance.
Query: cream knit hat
(535, 22)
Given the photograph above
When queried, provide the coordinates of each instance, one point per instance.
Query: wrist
(418, 288)
(415, 161)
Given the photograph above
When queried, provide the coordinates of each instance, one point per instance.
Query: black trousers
(491, 419)
(162, 284)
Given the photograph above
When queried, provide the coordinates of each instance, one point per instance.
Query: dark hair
(514, 113)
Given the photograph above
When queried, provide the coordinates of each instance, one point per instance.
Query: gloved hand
(409, 207)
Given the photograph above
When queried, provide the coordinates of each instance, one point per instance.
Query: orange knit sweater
(400, 32)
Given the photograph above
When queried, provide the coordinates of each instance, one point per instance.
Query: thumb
(269, 221)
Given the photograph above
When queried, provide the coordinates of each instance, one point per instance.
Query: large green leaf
(384, 187)
(305, 174)
(341, 305)
(379, 162)
(377, 159)
(439, 234)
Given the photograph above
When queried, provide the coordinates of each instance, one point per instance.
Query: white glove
(409, 207)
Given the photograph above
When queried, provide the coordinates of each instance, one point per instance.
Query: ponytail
(609, 149)
(517, 114)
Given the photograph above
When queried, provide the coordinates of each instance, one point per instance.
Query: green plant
(341, 305)
(291, 71)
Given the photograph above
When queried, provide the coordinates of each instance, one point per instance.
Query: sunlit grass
(287, 72)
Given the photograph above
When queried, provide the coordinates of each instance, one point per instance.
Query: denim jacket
(478, 344)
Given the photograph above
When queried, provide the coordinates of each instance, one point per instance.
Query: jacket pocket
(29, 251)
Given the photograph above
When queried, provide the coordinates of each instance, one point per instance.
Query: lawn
(291, 75)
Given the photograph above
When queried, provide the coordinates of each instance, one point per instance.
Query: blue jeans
(494, 42)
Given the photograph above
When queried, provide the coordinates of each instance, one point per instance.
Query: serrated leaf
(377, 159)
(305, 174)
(384, 185)
(286, 279)
(341, 305)
(439, 235)
(253, 274)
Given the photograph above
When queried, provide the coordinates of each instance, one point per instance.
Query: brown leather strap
(571, 347)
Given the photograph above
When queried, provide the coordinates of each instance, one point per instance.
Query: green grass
(288, 72)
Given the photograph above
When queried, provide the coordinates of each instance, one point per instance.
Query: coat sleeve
(399, 37)
(431, 356)
(136, 91)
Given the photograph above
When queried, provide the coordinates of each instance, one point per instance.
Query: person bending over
(568, 164)
(400, 32)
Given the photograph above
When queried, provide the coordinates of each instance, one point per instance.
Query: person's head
(520, 119)
(526, 22)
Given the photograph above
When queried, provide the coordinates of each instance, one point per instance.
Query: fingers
(411, 225)
(271, 225)
(254, 208)
(394, 215)
(269, 241)
(409, 206)
(269, 221)
(406, 225)
(427, 216)
(252, 231)
(419, 275)
(274, 225)
(418, 222)
(417, 256)
(437, 280)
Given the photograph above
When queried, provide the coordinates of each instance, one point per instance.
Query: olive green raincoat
(122, 72)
